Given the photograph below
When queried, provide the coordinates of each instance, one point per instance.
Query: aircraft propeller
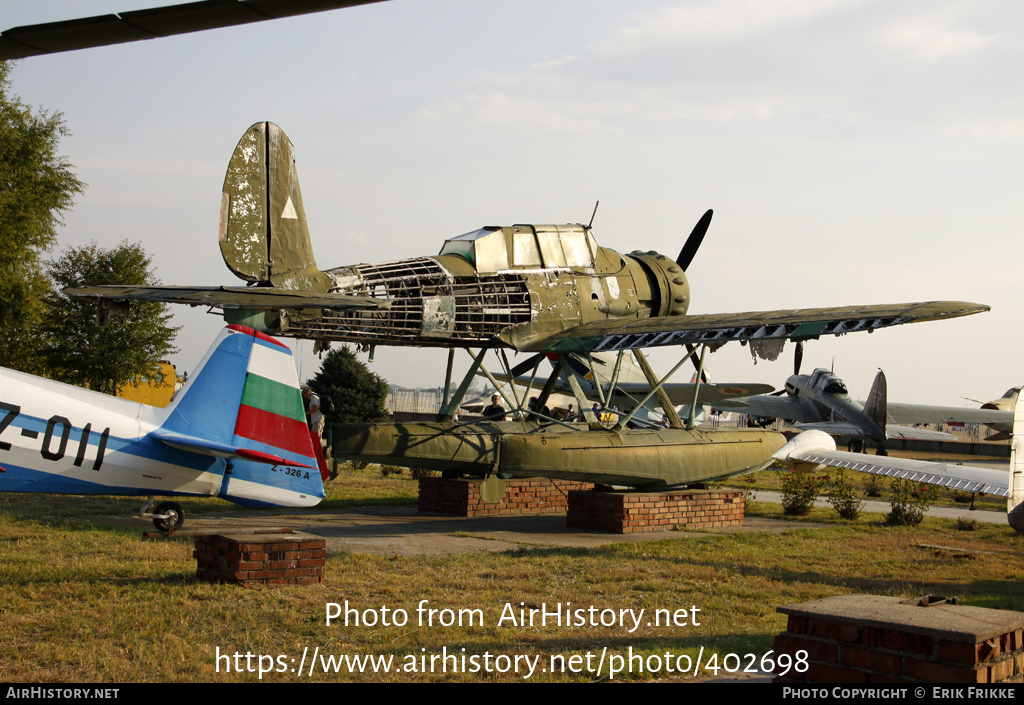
(526, 365)
(693, 242)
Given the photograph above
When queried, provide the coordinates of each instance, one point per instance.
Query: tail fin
(876, 407)
(244, 405)
(263, 232)
(1017, 465)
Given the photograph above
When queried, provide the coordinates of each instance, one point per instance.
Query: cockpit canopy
(525, 247)
(827, 383)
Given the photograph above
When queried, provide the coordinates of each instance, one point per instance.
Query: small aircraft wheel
(175, 518)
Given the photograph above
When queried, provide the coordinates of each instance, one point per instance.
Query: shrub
(909, 502)
(799, 491)
(962, 496)
(873, 485)
(842, 495)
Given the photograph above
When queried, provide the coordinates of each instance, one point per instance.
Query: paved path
(404, 531)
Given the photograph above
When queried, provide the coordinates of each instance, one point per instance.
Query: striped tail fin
(244, 405)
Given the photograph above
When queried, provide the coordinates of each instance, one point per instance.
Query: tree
(357, 393)
(37, 186)
(79, 351)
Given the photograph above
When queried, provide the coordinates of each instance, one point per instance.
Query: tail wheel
(175, 516)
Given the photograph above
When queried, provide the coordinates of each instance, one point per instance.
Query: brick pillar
(522, 497)
(874, 639)
(261, 559)
(629, 512)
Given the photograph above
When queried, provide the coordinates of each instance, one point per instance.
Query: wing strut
(656, 387)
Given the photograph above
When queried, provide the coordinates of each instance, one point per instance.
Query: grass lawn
(87, 600)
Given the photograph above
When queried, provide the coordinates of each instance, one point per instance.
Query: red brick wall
(628, 512)
(462, 497)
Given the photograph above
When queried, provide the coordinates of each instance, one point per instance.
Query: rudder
(263, 233)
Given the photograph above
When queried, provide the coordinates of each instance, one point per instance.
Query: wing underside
(135, 25)
(765, 328)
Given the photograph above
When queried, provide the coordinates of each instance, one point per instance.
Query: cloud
(931, 41)
(501, 109)
(715, 21)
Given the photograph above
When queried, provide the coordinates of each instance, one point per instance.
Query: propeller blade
(527, 364)
(693, 242)
(798, 357)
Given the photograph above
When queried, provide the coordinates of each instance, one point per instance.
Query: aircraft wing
(818, 448)
(923, 413)
(230, 296)
(845, 428)
(768, 406)
(709, 392)
(32, 40)
(792, 324)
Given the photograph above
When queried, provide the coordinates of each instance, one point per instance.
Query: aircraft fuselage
(826, 396)
(494, 287)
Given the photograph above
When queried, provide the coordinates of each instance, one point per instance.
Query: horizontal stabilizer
(268, 298)
(917, 434)
(223, 450)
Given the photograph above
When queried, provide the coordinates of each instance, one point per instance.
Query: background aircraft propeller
(693, 242)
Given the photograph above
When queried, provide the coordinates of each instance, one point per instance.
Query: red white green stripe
(271, 410)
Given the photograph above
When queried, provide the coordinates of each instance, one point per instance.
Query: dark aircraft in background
(820, 401)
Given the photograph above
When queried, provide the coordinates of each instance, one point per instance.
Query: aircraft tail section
(875, 406)
(244, 405)
(263, 233)
(1015, 502)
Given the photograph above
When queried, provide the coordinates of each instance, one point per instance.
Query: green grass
(89, 601)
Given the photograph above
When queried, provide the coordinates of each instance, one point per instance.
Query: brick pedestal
(873, 639)
(462, 497)
(261, 559)
(628, 512)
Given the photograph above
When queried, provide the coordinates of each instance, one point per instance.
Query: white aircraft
(811, 450)
(237, 430)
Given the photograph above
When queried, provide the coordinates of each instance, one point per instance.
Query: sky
(854, 152)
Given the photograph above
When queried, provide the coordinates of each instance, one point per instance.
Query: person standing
(314, 417)
(495, 412)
